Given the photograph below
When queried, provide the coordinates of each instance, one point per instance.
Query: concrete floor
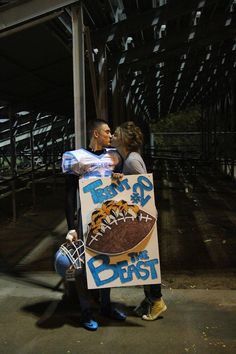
(33, 321)
(198, 274)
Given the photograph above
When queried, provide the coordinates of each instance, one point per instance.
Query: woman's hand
(116, 177)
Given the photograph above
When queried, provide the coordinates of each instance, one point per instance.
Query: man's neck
(94, 146)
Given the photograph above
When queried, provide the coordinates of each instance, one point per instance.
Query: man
(95, 161)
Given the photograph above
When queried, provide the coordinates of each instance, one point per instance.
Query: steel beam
(79, 76)
(150, 18)
(92, 70)
(23, 12)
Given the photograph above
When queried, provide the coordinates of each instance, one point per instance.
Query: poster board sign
(120, 231)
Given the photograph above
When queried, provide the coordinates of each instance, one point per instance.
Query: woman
(128, 139)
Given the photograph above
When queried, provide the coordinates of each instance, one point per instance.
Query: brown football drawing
(118, 227)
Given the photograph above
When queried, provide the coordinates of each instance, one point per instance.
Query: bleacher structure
(117, 60)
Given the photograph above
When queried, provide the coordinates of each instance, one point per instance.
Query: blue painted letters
(141, 268)
(100, 195)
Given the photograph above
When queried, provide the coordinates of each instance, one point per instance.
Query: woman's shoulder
(134, 156)
(134, 164)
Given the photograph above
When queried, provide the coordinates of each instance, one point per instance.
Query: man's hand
(72, 236)
(79, 168)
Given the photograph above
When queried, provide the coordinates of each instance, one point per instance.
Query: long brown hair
(131, 136)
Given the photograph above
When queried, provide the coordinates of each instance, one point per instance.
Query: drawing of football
(118, 227)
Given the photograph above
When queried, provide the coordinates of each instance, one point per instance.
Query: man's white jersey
(86, 164)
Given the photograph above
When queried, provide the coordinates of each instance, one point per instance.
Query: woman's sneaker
(143, 307)
(113, 313)
(157, 308)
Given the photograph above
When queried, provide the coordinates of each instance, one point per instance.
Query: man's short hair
(93, 125)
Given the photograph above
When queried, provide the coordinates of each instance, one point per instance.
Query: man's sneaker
(113, 313)
(156, 309)
(143, 307)
(88, 322)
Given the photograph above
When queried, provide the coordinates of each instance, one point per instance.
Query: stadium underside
(65, 63)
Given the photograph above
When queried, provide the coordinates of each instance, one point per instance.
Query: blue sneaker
(113, 313)
(88, 322)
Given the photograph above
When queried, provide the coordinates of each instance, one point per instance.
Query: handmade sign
(120, 233)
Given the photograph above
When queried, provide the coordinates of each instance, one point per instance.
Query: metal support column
(102, 83)
(78, 76)
(32, 160)
(92, 70)
(232, 126)
(203, 131)
(13, 162)
(115, 100)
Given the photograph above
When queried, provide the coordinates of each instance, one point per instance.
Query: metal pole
(78, 76)
(92, 70)
(32, 160)
(102, 77)
(53, 152)
(30, 24)
(13, 163)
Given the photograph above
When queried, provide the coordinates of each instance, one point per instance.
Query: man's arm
(70, 200)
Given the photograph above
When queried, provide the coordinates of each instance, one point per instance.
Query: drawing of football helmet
(69, 259)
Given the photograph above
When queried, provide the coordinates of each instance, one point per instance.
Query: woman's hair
(131, 136)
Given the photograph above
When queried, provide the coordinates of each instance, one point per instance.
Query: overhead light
(22, 113)
(197, 17)
(201, 4)
(191, 36)
(198, 14)
(228, 22)
(162, 31)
